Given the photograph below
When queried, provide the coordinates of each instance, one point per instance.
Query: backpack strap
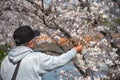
(16, 71)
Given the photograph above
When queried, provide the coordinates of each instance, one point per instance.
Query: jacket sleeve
(48, 62)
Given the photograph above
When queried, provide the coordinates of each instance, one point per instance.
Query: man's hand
(78, 48)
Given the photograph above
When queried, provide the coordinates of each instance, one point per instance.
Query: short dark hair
(24, 34)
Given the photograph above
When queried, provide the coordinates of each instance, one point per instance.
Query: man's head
(24, 34)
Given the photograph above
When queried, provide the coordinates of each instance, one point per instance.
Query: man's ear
(30, 44)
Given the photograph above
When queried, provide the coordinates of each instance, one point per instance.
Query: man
(22, 63)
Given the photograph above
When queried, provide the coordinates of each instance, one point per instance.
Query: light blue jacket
(33, 64)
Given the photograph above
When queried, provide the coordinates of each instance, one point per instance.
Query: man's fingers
(79, 48)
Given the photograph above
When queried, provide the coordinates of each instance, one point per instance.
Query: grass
(3, 51)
